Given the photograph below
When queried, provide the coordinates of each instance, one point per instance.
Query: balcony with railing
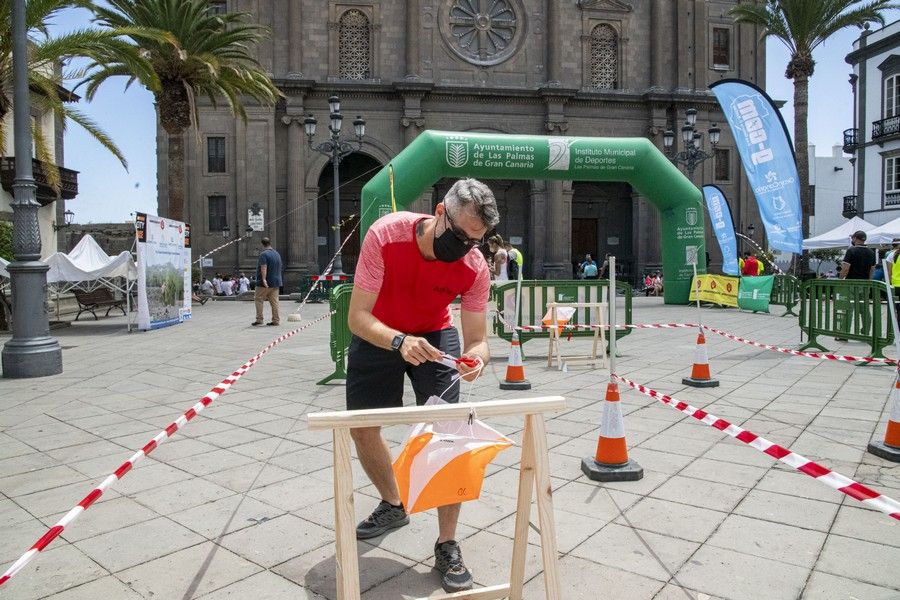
(851, 207)
(886, 127)
(68, 180)
(851, 137)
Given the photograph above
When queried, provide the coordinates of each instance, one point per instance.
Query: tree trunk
(801, 150)
(176, 176)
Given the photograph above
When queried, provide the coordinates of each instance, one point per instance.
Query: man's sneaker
(384, 518)
(448, 561)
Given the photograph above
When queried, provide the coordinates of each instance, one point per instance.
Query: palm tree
(802, 25)
(47, 73)
(199, 54)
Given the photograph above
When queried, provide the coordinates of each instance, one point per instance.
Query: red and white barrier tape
(161, 437)
(591, 327)
(725, 334)
(330, 278)
(819, 355)
(843, 484)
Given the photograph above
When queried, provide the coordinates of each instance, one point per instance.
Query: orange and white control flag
(443, 463)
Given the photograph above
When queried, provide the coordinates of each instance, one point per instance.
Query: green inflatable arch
(636, 161)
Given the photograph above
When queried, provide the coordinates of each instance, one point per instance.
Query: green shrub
(6, 229)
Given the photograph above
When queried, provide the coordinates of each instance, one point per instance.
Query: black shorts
(375, 375)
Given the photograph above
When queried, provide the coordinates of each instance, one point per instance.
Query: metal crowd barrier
(340, 331)
(786, 293)
(845, 310)
(537, 293)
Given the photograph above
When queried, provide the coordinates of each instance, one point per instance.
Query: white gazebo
(839, 237)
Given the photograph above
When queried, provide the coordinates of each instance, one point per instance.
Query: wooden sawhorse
(534, 472)
(555, 352)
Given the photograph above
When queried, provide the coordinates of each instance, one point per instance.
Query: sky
(109, 193)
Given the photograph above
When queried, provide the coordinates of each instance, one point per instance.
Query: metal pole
(612, 317)
(336, 160)
(31, 352)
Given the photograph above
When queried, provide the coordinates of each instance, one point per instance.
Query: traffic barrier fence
(537, 293)
(786, 293)
(846, 310)
(340, 331)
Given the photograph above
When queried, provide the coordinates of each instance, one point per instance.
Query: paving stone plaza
(238, 504)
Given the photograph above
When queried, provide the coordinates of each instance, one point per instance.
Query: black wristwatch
(398, 341)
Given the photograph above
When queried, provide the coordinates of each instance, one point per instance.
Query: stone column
(557, 261)
(295, 227)
(552, 42)
(660, 45)
(412, 39)
(309, 217)
(645, 235)
(295, 43)
(537, 228)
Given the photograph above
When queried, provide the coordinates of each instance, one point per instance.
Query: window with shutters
(354, 45)
(215, 154)
(217, 218)
(892, 181)
(721, 48)
(723, 164)
(604, 57)
(892, 96)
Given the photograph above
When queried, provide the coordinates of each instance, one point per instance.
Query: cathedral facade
(607, 68)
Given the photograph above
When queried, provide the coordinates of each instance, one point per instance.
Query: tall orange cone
(700, 376)
(890, 448)
(611, 463)
(515, 371)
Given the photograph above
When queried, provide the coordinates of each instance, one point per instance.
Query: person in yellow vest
(740, 265)
(760, 267)
(892, 271)
(514, 254)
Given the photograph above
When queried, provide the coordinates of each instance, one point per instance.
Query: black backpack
(512, 265)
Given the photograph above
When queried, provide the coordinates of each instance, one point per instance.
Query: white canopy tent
(884, 234)
(839, 237)
(87, 267)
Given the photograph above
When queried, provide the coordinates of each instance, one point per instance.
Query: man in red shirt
(411, 267)
(751, 265)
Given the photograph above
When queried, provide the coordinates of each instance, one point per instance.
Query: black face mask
(448, 247)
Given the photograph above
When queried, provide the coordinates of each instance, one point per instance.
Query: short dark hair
(860, 235)
(266, 242)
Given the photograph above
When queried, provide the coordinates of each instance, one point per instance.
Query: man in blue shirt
(268, 282)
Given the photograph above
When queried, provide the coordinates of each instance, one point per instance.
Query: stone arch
(636, 161)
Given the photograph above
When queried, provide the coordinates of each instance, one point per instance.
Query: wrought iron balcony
(885, 127)
(850, 140)
(851, 209)
(68, 180)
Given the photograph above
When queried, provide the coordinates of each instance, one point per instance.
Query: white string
(456, 377)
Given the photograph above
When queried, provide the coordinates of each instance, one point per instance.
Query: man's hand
(417, 350)
(472, 371)
(265, 284)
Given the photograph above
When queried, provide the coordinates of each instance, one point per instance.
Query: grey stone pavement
(239, 503)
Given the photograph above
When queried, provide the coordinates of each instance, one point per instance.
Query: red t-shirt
(751, 266)
(414, 294)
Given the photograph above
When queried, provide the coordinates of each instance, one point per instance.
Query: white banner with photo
(163, 260)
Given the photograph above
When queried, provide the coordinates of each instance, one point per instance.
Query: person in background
(514, 255)
(217, 284)
(751, 265)
(268, 282)
(892, 273)
(227, 286)
(587, 261)
(206, 288)
(859, 261)
(657, 284)
(590, 271)
(760, 267)
(243, 284)
(500, 258)
(604, 270)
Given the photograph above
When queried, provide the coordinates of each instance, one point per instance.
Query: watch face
(398, 341)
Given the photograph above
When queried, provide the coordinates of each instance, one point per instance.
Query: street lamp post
(336, 149)
(693, 155)
(31, 352)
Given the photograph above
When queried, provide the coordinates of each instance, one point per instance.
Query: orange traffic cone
(515, 371)
(700, 376)
(611, 463)
(890, 448)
